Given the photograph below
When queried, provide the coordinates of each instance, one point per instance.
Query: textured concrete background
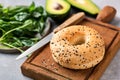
(10, 68)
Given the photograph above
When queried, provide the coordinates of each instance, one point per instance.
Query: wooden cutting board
(41, 66)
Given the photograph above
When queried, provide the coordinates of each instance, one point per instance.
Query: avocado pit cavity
(58, 6)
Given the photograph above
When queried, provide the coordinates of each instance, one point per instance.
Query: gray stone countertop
(10, 68)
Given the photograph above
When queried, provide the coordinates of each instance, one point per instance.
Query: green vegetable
(20, 24)
(85, 5)
(57, 9)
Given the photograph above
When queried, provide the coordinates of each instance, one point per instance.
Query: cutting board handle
(106, 14)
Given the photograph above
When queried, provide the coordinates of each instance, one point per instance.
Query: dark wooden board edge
(110, 26)
(101, 67)
(29, 68)
(95, 72)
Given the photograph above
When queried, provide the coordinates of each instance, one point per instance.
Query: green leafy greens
(20, 24)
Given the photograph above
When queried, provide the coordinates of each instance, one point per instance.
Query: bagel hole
(78, 39)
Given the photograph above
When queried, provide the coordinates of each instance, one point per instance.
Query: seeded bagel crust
(77, 47)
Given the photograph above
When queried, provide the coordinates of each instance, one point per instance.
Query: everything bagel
(77, 47)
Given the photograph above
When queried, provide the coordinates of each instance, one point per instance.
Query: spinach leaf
(32, 7)
(21, 16)
(20, 24)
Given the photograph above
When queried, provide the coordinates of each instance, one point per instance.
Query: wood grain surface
(41, 66)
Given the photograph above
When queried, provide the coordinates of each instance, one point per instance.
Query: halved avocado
(57, 9)
(85, 5)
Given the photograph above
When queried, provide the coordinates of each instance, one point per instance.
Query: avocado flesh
(57, 7)
(85, 5)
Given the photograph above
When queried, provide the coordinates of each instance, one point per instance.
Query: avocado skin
(59, 18)
(87, 11)
(76, 10)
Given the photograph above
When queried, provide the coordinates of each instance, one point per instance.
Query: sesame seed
(57, 51)
(52, 64)
(76, 51)
(95, 46)
(52, 42)
(83, 65)
(97, 37)
(75, 64)
(76, 54)
(84, 52)
(63, 39)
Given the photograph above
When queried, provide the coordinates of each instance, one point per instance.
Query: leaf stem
(14, 30)
(13, 47)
